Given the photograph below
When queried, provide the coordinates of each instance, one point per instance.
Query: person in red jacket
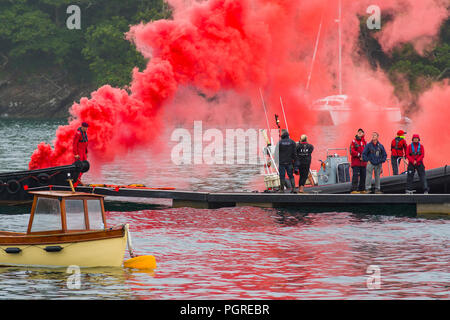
(358, 165)
(415, 154)
(398, 150)
(80, 147)
(80, 143)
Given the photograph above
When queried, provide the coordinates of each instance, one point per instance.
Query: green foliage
(29, 30)
(111, 56)
(441, 58)
(422, 70)
(33, 33)
(444, 34)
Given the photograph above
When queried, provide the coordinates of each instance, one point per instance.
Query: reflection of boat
(13, 185)
(65, 228)
(336, 110)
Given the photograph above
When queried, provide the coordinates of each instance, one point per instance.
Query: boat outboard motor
(336, 169)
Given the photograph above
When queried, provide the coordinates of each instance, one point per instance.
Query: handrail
(346, 151)
(389, 163)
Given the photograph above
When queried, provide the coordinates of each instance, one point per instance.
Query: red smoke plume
(229, 49)
(415, 21)
(432, 122)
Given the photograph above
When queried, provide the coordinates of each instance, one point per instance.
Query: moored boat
(334, 177)
(337, 110)
(65, 228)
(438, 182)
(14, 185)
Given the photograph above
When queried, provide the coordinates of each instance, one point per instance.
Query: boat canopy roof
(64, 194)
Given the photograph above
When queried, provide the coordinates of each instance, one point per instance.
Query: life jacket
(356, 144)
(397, 141)
(84, 137)
(414, 152)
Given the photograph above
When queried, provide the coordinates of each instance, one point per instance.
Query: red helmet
(416, 136)
(400, 132)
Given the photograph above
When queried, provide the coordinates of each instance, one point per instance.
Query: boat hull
(438, 181)
(335, 110)
(13, 185)
(340, 117)
(104, 248)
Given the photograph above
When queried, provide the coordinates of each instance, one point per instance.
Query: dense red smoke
(228, 50)
(432, 124)
(415, 21)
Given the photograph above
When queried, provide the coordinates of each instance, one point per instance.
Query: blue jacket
(375, 154)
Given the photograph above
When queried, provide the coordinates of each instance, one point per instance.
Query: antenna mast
(265, 110)
(284, 114)
(340, 46)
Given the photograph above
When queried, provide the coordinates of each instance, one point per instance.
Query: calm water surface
(235, 253)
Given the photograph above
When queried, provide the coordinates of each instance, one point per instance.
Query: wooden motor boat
(65, 228)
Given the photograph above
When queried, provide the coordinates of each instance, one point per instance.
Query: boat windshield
(47, 215)
(95, 214)
(75, 214)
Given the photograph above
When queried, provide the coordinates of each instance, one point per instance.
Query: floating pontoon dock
(368, 203)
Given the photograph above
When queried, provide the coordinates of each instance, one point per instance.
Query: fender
(13, 186)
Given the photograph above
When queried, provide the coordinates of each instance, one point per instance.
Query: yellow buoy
(141, 262)
(137, 262)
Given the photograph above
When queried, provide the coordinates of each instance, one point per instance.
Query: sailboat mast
(315, 52)
(340, 46)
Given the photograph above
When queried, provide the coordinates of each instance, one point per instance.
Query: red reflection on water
(244, 253)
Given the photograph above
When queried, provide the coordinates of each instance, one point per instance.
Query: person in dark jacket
(285, 151)
(375, 155)
(303, 162)
(415, 154)
(398, 150)
(358, 165)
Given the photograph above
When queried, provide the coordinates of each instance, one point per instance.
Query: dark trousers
(358, 178)
(286, 169)
(394, 161)
(303, 173)
(410, 178)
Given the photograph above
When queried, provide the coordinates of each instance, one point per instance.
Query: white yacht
(336, 110)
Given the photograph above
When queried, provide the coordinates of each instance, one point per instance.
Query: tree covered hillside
(34, 38)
